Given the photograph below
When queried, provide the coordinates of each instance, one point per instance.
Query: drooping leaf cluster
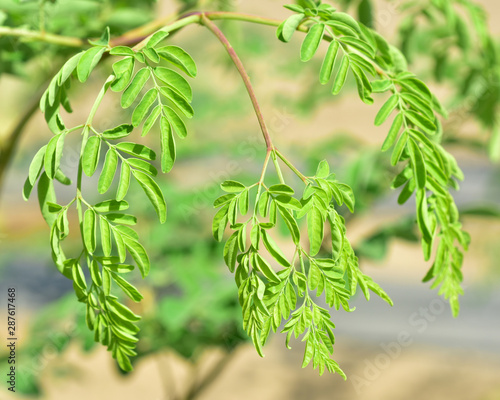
(109, 242)
(429, 171)
(269, 298)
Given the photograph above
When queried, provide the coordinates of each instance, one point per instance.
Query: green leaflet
(347, 195)
(153, 192)
(89, 230)
(95, 273)
(103, 40)
(46, 194)
(311, 42)
(407, 191)
(68, 68)
(105, 236)
(176, 122)
(139, 56)
(290, 25)
(231, 251)
(315, 230)
(281, 189)
(340, 79)
(219, 223)
(232, 186)
(422, 138)
(290, 223)
(90, 317)
(151, 119)
(156, 38)
(36, 165)
(386, 109)
(264, 267)
(143, 107)
(151, 54)
(323, 169)
(124, 182)
(53, 154)
(139, 255)
(288, 202)
(365, 13)
(135, 87)
(274, 250)
(423, 215)
(143, 166)
(417, 86)
(120, 244)
(362, 83)
(90, 157)
(417, 160)
(255, 236)
(347, 20)
(78, 277)
(399, 148)
(111, 205)
(242, 234)
(393, 132)
(264, 204)
(363, 64)
(419, 104)
(121, 51)
(178, 100)
(130, 290)
(88, 61)
(121, 268)
(175, 81)
(337, 240)
(106, 281)
(223, 200)
(381, 86)
(123, 311)
(108, 171)
(123, 360)
(137, 150)
(62, 178)
(118, 132)
(294, 8)
(243, 202)
(329, 62)
(53, 207)
(308, 353)
(180, 58)
(168, 152)
(402, 177)
(359, 45)
(123, 71)
(421, 122)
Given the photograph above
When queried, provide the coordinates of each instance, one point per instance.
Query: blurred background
(192, 345)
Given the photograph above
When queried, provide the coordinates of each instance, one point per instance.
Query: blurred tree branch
(42, 36)
(8, 146)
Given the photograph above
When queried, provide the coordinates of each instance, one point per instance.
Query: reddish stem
(246, 79)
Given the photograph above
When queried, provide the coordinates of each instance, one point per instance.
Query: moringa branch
(246, 79)
(42, 37)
